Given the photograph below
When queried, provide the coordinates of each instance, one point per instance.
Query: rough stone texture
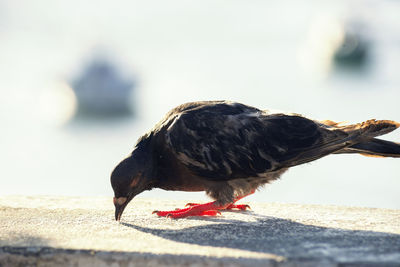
(78, 231)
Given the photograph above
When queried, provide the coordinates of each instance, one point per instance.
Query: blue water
(259, 53)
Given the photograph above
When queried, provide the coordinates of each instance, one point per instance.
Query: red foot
(207, 209)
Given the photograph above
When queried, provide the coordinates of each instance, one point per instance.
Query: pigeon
(229, 149)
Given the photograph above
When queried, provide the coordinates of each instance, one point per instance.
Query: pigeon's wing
(226, 141)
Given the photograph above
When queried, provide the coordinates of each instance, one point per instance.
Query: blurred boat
(101, 90)
(333, 44)
(353, 49)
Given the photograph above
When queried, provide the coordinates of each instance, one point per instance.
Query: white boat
(101, 90)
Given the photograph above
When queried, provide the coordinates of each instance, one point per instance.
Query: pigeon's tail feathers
(374, 148)
(354, 138)
(371, 128)
(368, 145)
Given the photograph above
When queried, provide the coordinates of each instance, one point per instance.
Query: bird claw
(211, 213)
(194, 209)
(191, 211)
(186, 212)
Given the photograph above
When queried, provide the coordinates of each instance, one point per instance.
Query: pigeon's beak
(118, 211)
(119, 208)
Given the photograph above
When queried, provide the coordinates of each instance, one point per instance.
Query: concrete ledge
(68, 231)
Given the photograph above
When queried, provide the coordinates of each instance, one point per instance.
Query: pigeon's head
(131, 177)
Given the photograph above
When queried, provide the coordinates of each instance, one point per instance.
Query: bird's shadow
(282, 237)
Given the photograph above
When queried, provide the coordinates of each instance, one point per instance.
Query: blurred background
(81, 81)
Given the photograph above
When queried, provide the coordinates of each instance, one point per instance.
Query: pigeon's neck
(144, 157)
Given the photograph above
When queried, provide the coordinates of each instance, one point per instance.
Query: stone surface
(81, 231)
